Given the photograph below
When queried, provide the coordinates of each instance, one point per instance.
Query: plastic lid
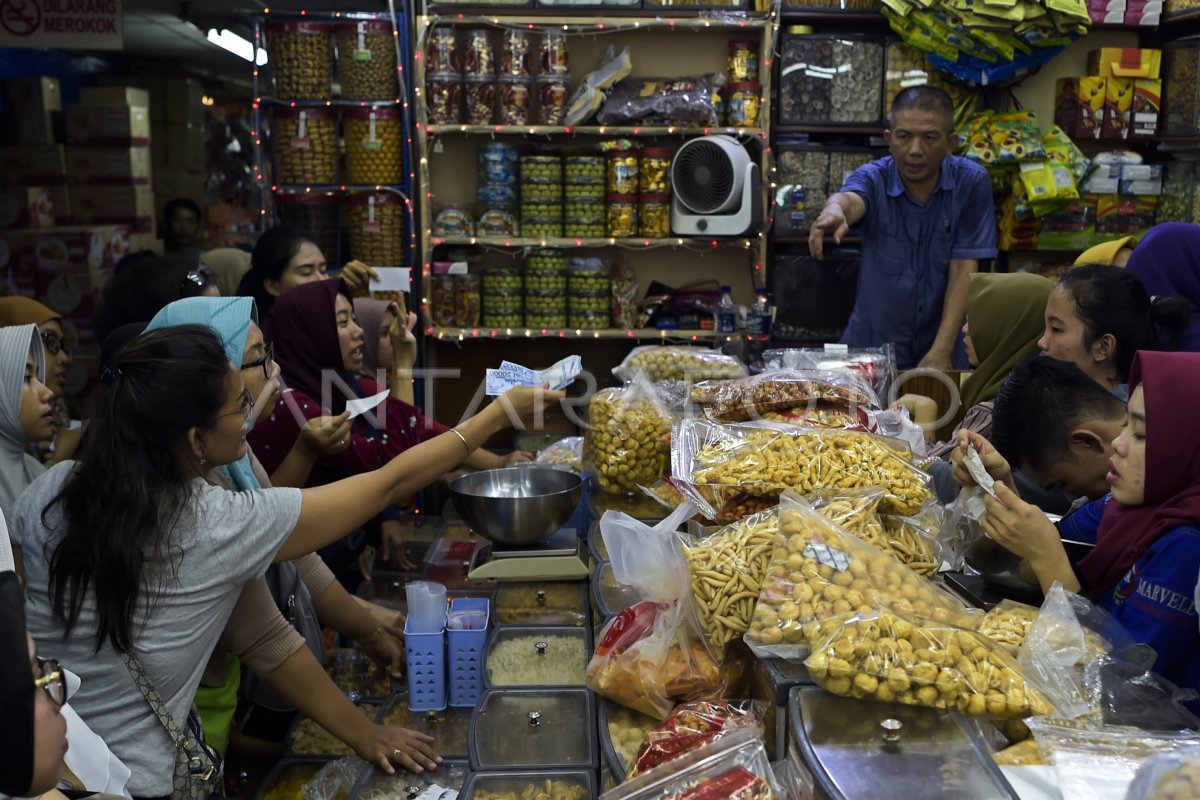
(310, 112)
(547, 603)
(536, 656)
(299, 27)
(307, 198)
(622, 198)
(388, 112)
(534, 728)
(657, 152)
(382, 199)
(855, 746)
(444, 77)
(525, 79)
(552, 79)
(368, 26)
(480, 79)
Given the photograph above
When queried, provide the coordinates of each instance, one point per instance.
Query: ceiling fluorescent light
(235, 44)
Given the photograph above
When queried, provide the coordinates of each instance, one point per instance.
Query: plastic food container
(831, 79)
(621, 169)
(314, 213)
(621, 733)
(307, 738)
(635, 505)
(516, 99)
(541, 603)
(654, 216)
(377, 224)
(507, 786)
(286, 779)
(553, 97)
(554, 58)
(300, 59)
(479, 56)
(610, 597)
(853, 747)
(374, 784)
(542, 169)
(480, 93)
(546, 320)
(452, 220)
(588, 320)
(585, 171)
(588, 277)
(450, 727)
(596, 546)
(656, 170)
(367, 60)
(305, 142)
(442, 55)
(516, 53)
(373, 145)
(497, 221)
(584, 220)
(1181, 101)
(539, 728)
(359, 677)
(527, 656)
(444, 99)
(622, 215)
(498, 163)
(743, 60)
(745, 98)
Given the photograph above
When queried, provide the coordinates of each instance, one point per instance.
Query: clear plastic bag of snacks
(1170, 776)
(669, 362)
(734, 767)
(781, 390)
(689, 727)
(1008, 623)
(876, 364)
(627, 444)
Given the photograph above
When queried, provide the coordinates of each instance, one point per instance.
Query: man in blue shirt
(926, 219)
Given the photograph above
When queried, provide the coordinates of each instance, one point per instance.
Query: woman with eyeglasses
(284, 258)
(26, 410)
(130, 552)
(257, 632)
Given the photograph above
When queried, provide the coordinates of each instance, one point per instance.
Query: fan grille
(703, 176)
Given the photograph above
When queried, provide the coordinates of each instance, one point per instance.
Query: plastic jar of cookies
(444, 98)
(498, 163)
(744, 100)
(622, 172)
(376, 224)
(516, 53)
(622, 216)
(315, 213)
(743, 60)
(305, 145)
(553, 99)
(480, 94)
(497, 221)
(452, 220)
(584, 219)
(655, 174)
(442, 55)
(373, 145)
(300, 59)
(516, 99)
(367, 60)
(479, 58)
(654, 216)
(554, 58)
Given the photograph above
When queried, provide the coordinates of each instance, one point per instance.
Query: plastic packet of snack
(751, 397)
(670, 362)
(689, 727)
(1008, 623)
(627, 444)
(735, 767)
(566, 453)
(914, 539)
(1169, 776)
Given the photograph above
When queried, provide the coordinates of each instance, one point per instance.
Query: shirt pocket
(894, 256)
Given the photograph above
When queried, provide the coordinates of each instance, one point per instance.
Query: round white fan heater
(715, 188)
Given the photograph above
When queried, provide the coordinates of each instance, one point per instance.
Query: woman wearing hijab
(285, 258)
(1146, 531)
(257, 632)
(26, 311)
(26, 411)
(1167, 261)
(228, 265)
(1113, 253)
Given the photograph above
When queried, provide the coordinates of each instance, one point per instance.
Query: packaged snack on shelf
(627, 444)
(735, 767)
(590, 93)
(1008, 623)
(669, 362)
(689, 727)
(749, 398)
(727, 571)
(713, 463)
(665, 101)
(876, 364)
(896, 658)
(1170, 776)
(819, 570)
(566, 453)
(652, 654)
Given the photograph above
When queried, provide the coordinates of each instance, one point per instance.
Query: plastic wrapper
(566, 453)
(1021, 754)
(734, 767)
(404, 784)
(913, 540)
(334, 780)
(899, 659)
(876, 364)
(749, 398)
(662, 101)
(660, 362)
(689, 727)
(669, 496)
(1008, 623)
(826, 415)
(714, 463)
(1170, 776)
(624, 297)
(589, 96)
(652, 655)
(627, 730)
(727, 571)
(1101, 763)
(856, 512)
(628, 439)
(819, 570)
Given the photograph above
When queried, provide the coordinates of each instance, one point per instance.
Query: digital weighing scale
(562, 557)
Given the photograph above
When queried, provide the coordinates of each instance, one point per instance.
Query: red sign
(63, 24)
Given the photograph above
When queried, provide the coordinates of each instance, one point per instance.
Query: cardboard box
(1142, 188)
(26, 207)
(1079, 106)
(129, 205)
(111, 165)
(185, 147)
(1147, 105)
(1126, 62)
(1100, 17)
(1141, 172)
(1123, 215)
(108, 126)
(1118, 108)
(183, 102)
(1102, 180)
(1143, 17)
(34, 109)
(66, 266)
(33, 164)
(114, 96)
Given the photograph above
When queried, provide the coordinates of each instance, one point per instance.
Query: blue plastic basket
(426, 657)
(466, 654)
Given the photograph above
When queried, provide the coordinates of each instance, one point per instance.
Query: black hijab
(17, 692)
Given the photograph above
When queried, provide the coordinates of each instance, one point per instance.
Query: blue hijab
(230, 318)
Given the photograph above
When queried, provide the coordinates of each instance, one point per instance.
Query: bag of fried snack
(727, 570)
(628, 442)
(749, 398)
(1170, 776)
(653, 653)
(1008, 623)
(854, 510)
(819, 570)
(734, 767)
(689, 727)
(714, 463)
(671, 362)
(914, 540)
(895, 658)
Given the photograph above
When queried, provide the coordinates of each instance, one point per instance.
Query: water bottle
(761, 313)
(726, 312)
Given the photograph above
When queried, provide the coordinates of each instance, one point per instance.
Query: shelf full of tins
(334, 154)
(509, 140)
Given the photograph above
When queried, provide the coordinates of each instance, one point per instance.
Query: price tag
(301, 143)
(372, 145)
(362, 55)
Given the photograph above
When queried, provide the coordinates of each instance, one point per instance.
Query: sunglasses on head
(197, 278)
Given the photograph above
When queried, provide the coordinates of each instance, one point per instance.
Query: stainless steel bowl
(517, 506)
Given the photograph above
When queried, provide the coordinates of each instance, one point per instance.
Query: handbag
(197, 773)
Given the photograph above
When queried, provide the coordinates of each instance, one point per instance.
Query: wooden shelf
(819, 16)
(597, 19)
(463, 334)
(588, 130)
(331, 103)
(869, 130)
(567, 243)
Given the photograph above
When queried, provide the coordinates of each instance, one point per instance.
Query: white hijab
(17, 468)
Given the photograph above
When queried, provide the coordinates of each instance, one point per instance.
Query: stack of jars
(584, 190)
(496, 192)
(480, 83)
(622, 187)
(456, 300)
(541, 195)
(654, 199)
(589, 290)
(552, 79)
(515, 82)
(503, 297)
(443, 79)
(745, 92)
(546, 289)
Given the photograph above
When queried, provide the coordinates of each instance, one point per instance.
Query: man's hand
(383, 744)
(357, 276)
(404, 344)
(993, 462)
(831, 222)
(326, 436)
(937, 359)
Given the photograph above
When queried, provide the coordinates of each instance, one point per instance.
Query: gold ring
(396, 752)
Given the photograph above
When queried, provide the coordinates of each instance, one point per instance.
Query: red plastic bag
(689, 727)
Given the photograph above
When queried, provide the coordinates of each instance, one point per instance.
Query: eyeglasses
(53, 344)
(244, 408)
(265, 362)
(197, 278)
(52, 681)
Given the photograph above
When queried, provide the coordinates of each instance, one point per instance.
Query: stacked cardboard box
(1120, 99)
(33, 166)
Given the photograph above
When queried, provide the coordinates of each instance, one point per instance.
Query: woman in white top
(129, 550)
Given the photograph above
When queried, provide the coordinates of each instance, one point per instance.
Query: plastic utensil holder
(466, 654)
(426, 658)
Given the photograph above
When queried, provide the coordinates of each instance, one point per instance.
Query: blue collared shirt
(907, 249)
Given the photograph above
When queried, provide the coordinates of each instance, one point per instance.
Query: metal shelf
(566, 243)
(596, 18)
(463, 334)
(588, 130)
(327, 103)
